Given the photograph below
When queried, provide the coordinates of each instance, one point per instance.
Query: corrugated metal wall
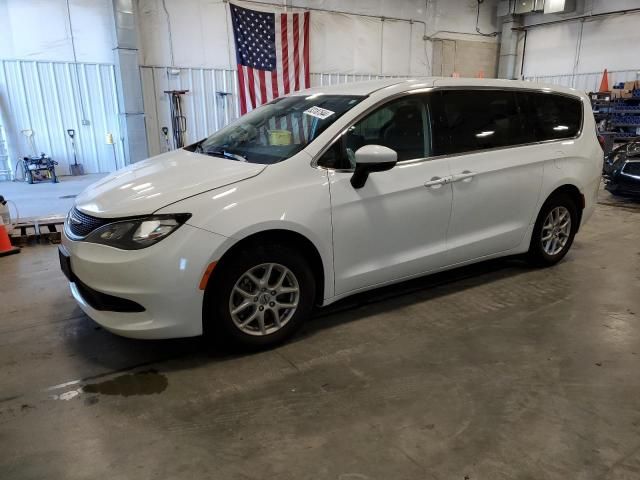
(589, 82)
(210, 104)
(212, 101)
(51, 97)
(318, 79)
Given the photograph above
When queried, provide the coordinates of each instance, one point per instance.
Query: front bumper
(163, 279)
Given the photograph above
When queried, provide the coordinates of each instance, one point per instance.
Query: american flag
(272, 52)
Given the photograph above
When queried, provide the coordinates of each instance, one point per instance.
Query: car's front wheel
(554, 230)
(260, 296)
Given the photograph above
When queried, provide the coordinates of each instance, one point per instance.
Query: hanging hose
(178, 120)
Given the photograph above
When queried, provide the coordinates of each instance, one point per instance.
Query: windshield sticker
(318, 112)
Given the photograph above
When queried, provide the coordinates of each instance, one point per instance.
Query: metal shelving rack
(625, 117)
(601, 105)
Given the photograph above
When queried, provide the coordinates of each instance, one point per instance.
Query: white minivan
(327, 192)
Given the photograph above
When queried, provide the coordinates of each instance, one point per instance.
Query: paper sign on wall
(318, 112)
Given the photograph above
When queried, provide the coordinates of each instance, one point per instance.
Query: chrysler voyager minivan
(327, 192)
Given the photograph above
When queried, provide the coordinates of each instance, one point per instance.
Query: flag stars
(254, 38)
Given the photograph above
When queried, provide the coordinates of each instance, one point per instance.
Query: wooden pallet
(29, 231)
(23, 234)
(51, 231)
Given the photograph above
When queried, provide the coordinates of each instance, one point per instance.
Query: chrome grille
(80, 224)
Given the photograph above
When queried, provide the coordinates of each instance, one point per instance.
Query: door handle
(465, 176)
(437, 182)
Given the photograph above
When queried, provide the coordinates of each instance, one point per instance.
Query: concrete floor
(44, 199)
(491, 372)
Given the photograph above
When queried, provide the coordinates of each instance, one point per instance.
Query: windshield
(277, 130)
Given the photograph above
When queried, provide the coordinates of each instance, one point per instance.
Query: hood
(144, 187)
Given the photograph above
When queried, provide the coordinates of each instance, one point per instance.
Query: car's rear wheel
(554, 231)
(260, 296)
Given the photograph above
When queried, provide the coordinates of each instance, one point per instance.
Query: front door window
(399, 125)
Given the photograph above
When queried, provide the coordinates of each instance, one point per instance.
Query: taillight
(601, 142)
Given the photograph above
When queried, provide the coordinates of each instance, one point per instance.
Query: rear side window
(554, 116)
(470, 120)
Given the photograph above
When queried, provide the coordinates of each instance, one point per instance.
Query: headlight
(137, 233)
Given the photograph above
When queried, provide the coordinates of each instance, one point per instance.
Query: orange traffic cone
(604, 84)
(5, 244)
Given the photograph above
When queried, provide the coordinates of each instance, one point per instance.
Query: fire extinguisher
(5, 214)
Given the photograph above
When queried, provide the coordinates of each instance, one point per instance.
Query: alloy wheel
(556, 230)
(264, 299)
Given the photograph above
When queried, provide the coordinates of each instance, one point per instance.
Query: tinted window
(398, 125)
(554, 116)
(471, 120)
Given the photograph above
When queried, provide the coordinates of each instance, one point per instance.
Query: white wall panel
(397, 40)
(420, 62)
(610, 43)
(92, 22)
(6, 33)
(581, 48)
(345, 43)
(40, 30)
(551, 50)
(379, 8)
(603, 6)
(217, 50)
(201, 35)
(51, 97)
(460, 16)
(153, 33)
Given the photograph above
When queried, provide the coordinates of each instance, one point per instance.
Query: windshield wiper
(222, 153)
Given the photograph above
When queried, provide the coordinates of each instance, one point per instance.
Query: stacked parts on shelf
(625, 110)
(618, 111)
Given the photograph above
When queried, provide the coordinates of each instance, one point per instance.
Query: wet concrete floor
(496, 371)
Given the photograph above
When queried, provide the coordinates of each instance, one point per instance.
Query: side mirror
(372, 158)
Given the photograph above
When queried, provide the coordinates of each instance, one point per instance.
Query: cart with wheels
(39, 169)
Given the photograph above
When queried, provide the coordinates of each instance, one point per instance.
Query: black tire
(218, 324)
(29, 177)
(537, 256)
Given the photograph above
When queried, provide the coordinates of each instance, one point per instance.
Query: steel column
(131, 107)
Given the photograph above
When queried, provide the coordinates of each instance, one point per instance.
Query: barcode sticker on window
(318, 112)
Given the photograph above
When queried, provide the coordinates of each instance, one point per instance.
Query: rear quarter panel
(579, 162)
